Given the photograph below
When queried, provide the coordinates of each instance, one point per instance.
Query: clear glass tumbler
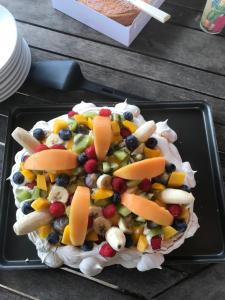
(213, 17)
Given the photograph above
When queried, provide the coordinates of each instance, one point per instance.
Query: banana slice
(25, 139)
(145, 131)
(101, 225)
(175, 196)
(95, 212)
(116, 238)
(58, 193)
(53, 139)
(104, 181)
(32, 222)
(123, 226)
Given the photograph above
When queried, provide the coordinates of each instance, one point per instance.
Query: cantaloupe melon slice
(102, 135)
(147, 209)
(146, 168)
(78, 217)
(51, 160)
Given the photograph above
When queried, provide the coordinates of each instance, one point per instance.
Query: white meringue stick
(175, 196)
(25, 139)
(145, 131)
(116, 238)
(32, 222)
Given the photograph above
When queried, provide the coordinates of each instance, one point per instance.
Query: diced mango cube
(90, 123)
(81, 119)
(168, 232)
(92, 236)
(150, 153)
(29, 176)
(44, 231)
(66, 236)
(52, 177)
(58, 125)
(185, 214)
(142, 244)
(137, 231)
(158, 186)
(176, 179)
(116, 138)
(69, 144)
(41, 182)
(100, 194)
(130, 125)
(115, 127)
(40, 204)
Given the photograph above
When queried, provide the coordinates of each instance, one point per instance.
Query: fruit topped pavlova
(102, 186)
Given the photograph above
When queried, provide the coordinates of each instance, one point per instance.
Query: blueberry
(82, 158)
(62, 180)
(151, 143)
(116, 198)
(129, 241)
(128, 116)
(110, 151)
(53, 238)
(87, 246)
(170, 168)
(179, 225)
(131, 142)
(185, 188)
(60, 223)
(65, 134)
(18, 178)
(39, 134)
(26, 208)
(82, 129)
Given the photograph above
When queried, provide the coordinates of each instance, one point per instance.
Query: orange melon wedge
(147, 209)
(51, 160)
(78, 217)
(102, 136)
(146, 168)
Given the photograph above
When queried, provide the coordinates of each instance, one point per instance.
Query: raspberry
(105, 112)
(90, 222)
(71, 113)
(175, 210)
(145, 185)
(156, 242)
(41, 147)
(109, 211)
(119, 185)
(124, 132)
(31, 185)
(90, 152)
(107, 251)
(57, 209)
(90, 166)
(56, 146)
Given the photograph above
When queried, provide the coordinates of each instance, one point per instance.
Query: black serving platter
(196, 143)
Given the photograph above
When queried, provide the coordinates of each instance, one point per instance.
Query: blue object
(18, 178)
(131, 142)
(87, 246)
(65, 134)
(128, 116)
(185, 188)
(39, 134)
(26, 208)
(116, 198)
(151, 143)
(170, 168)
(82, 158)
(179, 225)
(62, 180)
(82, 129)
(53, 238)
(129, 241)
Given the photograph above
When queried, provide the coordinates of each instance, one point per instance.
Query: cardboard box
(123, 34)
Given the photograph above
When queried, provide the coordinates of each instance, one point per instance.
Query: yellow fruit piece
(40, 204)
(69, 144)
(176, 179)
(142, 244)
(130, 125)
(150, 153)
(90, 123)
(137, 231)
(66, 236)
(116, 138)
(52, 177)
(41, 182)
(115, 127)
(92, 236)
(58, 125)
(68, 211)
(160, 203)
(100, 194)
(30, 176)
(185, 214)
(113, 159)
(158, 186)
(81, 119)
(44, 231)
(168, 232)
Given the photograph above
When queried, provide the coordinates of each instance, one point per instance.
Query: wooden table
(175, 61)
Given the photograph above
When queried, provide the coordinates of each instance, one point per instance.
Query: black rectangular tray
(196, 142)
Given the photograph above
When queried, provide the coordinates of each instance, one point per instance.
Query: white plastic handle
(154, 12)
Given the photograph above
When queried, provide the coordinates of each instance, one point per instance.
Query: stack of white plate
(15, 57)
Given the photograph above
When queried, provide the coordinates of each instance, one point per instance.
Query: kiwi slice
(120, 155)
(102, 202)
(114, 166)
(22, 195)
(106, 167)
(154, 231)
(35, 193)
(116, 117)
(140, 219)
(90, 114)
(72, 125)
(81, 141)
(124, 211)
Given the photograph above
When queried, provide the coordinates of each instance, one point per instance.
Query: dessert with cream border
(119, 10)
(101, 186)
